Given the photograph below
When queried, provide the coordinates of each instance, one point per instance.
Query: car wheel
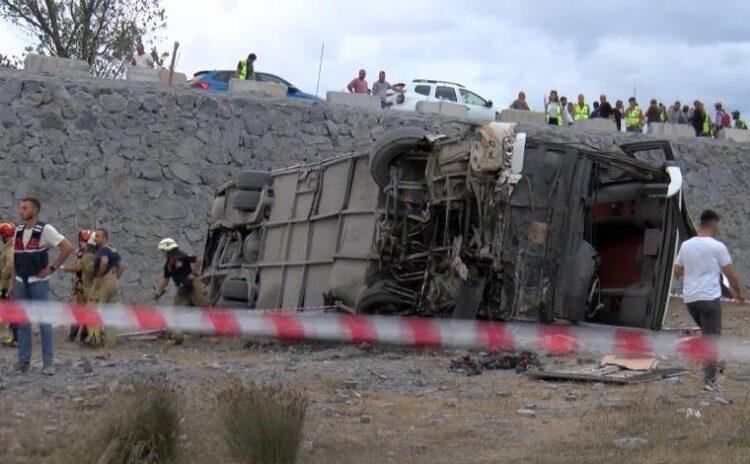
(389, 147)
(234, 289)
(251, 248)
(246, 200)
(253, 180)
(376, 299)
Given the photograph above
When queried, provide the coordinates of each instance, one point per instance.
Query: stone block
(738, 135)
(141, 74)
(597, 125)
(358, 100)
(238, 88)
(452, 110)
(58, 66)
(670, 130)
(534, 117)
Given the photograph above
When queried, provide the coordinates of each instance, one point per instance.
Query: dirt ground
(386, 405)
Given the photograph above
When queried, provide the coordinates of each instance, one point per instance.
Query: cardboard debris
(633, 364)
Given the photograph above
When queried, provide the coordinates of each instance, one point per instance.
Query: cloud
(667, 50)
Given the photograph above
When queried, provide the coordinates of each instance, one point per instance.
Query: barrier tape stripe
(408, 331)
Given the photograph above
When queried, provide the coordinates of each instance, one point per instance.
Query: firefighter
(184, 270)
(106, 275)
(83, 269)
(7, 233)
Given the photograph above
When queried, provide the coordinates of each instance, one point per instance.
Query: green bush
(263, 424)
(143, 429)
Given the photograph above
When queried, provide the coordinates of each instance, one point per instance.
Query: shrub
(263, 424)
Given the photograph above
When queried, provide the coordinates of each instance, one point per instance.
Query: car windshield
(263, 77)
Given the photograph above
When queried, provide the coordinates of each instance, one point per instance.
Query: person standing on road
(568, 119)
(7, 233)
(739, 121)
(676, 115)
(359, 84)
(617, 112)
(633, 116)
(380, 88)
(581, 109)
(605, 109)
(246, 68)
(700, 263)
(184, 270)
(554, 109)
(520, 102)
(32, 272)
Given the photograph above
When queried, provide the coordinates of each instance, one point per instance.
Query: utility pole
(320, 68)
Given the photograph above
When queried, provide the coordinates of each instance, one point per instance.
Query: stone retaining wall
(143, 159)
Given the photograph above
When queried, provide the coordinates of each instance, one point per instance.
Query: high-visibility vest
(706, 123)
(560, 109)
(740, 123)
(581, 112)
(662, 116)
(633, 119)
(243, 70)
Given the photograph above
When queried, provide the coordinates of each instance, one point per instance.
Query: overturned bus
(491, 224)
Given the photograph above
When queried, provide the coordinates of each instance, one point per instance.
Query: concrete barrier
(509, 115)
(239, 87)
(58, 66)
(141, 74)
(452, 110)
(738, 135)
(358, 100)
(670, 130)
(597, 124)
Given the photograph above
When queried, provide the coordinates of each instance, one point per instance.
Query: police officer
(83, 268)
(246, 68)
(7, 233)
(184, 270)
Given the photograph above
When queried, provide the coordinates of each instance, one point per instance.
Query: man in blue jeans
(31, 275)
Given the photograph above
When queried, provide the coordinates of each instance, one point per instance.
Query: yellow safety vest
(581, 112)
(706, 123)
(560, 109)
(243, 70)
(633, 119)
(740, 123)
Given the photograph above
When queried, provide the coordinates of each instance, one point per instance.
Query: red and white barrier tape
(407, 331)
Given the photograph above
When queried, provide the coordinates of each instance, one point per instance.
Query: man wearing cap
(32, 270)
(184, 270)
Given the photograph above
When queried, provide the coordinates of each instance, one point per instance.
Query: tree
(100, 32)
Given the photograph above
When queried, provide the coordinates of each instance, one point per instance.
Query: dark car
(218, 81)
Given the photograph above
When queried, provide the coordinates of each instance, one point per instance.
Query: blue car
(218, 81)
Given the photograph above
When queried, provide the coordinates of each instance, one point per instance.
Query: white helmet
(167, 245)
(92, 239)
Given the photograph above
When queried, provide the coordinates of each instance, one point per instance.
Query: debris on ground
(475, 365)
(631, 443)
(605, 374)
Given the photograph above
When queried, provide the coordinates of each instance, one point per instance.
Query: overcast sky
(669, 50)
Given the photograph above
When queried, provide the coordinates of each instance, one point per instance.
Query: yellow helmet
(167, 245)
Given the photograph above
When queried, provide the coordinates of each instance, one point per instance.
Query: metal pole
(320, 68)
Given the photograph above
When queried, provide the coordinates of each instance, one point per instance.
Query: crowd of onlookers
(559, 111)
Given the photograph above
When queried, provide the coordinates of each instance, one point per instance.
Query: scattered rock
(630, 443)
(365, 419)
(526, 412)
(720, 400)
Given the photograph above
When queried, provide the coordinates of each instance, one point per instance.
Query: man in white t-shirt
(142, 59)
(701, 262)
(31, 273)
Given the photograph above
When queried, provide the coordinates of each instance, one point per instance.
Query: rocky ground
(385, 405)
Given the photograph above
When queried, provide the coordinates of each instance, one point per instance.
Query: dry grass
(142, 428)
(722, 434)
(263, 424)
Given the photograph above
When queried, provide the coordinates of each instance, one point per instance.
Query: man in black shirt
(605, 109)
(183, 269)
